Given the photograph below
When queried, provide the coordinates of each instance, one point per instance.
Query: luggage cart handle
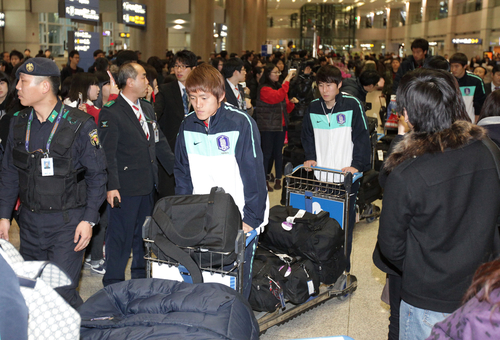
(355, 176)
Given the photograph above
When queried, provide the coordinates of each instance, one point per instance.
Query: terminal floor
(362, 316)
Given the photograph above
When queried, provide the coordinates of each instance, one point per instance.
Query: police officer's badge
(341, 119)
(30, 67)
(94, 139)
(223, 143)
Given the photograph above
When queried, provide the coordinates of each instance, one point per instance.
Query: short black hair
(125, 56)
(223, 54)
(369, 77)
(430, 100)
(186, 57)
(437, 63)
(96, 52)
(495, 69)
(458, 58)
(233, 64)
(329, 74)
(17, 54)
(290, 43)
(233, 55)
(101, 64)
(485, 70)
(27, 50)
(420, 43)
(72, 53)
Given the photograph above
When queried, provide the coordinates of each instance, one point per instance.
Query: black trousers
(272, 150)
(50, 237)
(395, 283)
(125, 233)
(95, 248)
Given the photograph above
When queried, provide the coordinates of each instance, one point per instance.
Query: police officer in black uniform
(54, 162)
(132, 140)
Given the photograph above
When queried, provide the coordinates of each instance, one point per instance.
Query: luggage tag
(310, 284)
(156, 132)
(288, 224)
(47, 165)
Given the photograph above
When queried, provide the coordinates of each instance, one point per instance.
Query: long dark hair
(80, 83)
(491, 106)
(487, 277)
(266, 81)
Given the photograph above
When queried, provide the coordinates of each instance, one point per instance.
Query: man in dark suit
(171, 106)
(234, 72)
(132, 141)
(495, 81)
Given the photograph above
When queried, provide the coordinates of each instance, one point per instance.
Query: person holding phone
(271, 113)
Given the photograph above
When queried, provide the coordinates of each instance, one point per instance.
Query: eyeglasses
(181, 67)
(278, 73)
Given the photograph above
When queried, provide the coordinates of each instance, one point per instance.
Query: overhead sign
(2, 19)
(467, 41)
(79, 10)
(131, 14)
(85, 43)
(266, 50)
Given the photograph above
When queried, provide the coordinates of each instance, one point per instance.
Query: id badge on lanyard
(156, 132)
(47, 166)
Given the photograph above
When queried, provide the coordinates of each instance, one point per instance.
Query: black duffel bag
(315, 237)
(281, 277)
(205, 222)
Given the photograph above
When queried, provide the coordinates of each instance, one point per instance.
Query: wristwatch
(92, 224)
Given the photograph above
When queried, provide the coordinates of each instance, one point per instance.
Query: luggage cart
(158, 265)
(313, 191)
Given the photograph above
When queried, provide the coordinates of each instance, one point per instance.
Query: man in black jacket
(440, 208)
(132, 141)
(234, 73)
(359, 87)
(419, 49)
(471, 86)
(171, 106)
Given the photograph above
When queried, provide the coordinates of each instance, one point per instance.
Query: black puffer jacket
(163, 309)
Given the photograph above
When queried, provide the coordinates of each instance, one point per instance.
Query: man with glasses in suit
(171, 106)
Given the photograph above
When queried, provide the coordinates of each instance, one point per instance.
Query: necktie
(142, 121)
(185, 101)
(238, 97)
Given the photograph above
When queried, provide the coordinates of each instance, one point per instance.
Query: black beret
(39, 67)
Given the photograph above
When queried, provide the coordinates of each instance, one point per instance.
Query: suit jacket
(131, 157)
(487, 88)
(230, 97)
(169, 109)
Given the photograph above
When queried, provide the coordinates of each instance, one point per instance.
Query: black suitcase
(370, 189)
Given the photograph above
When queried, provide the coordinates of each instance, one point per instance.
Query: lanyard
(49, 141)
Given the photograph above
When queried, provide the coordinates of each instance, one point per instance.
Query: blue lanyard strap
(49, 141)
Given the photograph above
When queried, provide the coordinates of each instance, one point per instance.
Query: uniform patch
(108, 104)
(223, 143)
(94, 139)
(104, 124)
(30, 67)
(341, 119)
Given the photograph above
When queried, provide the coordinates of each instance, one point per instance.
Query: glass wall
(54, 32)
(334, 24)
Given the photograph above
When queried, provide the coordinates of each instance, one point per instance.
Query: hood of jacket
(415, 144)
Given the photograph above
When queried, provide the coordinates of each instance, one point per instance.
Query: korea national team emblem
(223, 143)
(341, 119)
(467, 91)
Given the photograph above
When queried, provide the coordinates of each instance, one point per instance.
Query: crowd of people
(89, 152)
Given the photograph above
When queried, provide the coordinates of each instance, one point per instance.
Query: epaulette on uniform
(108, 104)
